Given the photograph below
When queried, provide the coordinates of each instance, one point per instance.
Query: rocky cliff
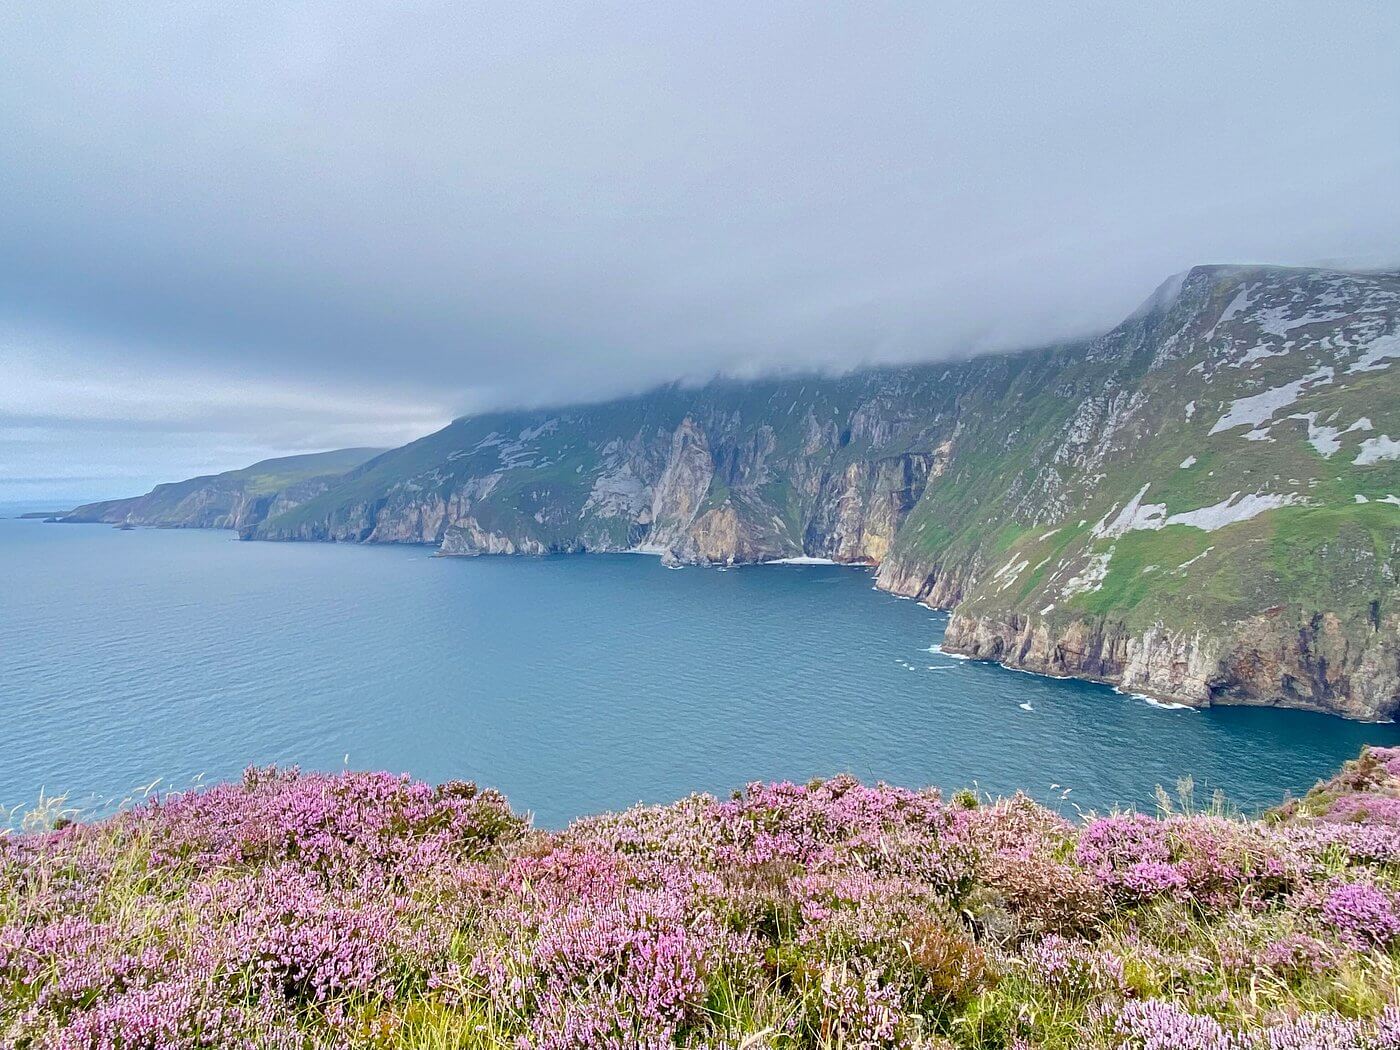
(1269, 659)
(1216, 521)
(1202, 505)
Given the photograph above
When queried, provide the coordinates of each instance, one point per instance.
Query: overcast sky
(229, 231)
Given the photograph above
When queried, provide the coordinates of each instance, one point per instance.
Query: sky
(232, 231)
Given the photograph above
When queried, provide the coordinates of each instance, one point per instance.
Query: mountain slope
(1202, 505)
(1217, 521)
(231, 499)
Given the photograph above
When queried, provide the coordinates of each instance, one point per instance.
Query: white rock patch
(1227, 511)
(1239, 303)
(1258, 353)
(1091, 579)
(1378, 354)
(1189, 461)
(1016, 571)
(1260, 408)
(1327, 440)
(1192, 561)
(1152, 516)
(1008, 567)
(1376, 450)
(1136, 515)
(1275, 322)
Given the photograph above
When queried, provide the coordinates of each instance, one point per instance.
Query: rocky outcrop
(1314, 661)
(354, 523)
(860, 508)
(1266, 661)
(939, 585)
(681, 490)
(1159, 663)
(737, 532)
(468, 538)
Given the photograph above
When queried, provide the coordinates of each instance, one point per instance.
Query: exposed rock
(859, 509)
(683, 485)
(467, 538)
(1268, 660)
(935, 586)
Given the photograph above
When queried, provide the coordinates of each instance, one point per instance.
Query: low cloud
(256, 226)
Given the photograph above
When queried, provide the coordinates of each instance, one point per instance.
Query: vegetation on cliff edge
(363, 909)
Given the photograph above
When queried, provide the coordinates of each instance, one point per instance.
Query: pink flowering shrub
(1295, 954)
(1157, 1025)
(1387, 757)
(1366, 809)
(323, 822)
(1074, 969)
(1362, 912)
(369, 910)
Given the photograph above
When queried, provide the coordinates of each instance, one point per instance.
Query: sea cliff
(1202, 504)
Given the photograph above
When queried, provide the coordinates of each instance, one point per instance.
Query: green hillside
(230, 499)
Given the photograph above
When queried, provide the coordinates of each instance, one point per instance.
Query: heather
(368, 910)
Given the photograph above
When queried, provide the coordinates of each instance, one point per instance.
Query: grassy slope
(264, 478)
(1334, 553)
(272, 475)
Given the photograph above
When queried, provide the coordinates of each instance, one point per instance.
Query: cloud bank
(238, 230)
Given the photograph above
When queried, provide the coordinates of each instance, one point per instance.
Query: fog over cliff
(234, 231)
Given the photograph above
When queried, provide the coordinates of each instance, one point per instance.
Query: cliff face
(858, 510)
(1202, 505)
(726, 474)
(679, 496)
(1219, 528)
(1318, 664)
(236, 499)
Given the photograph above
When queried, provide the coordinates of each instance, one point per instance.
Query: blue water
(574, 684)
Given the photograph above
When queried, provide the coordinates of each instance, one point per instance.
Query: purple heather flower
(301, 911)
(1362, 912)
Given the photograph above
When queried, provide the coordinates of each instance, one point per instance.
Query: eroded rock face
(1315, 662)
(1086, 649)
(860, 508)
(422, 520)
(937, 586)
(717, 537)
(1269, 660)
(467, 538)
(681, 490)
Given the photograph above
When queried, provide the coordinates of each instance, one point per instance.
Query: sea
(150, 660)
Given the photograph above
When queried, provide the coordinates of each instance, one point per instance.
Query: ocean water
(574, 684)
